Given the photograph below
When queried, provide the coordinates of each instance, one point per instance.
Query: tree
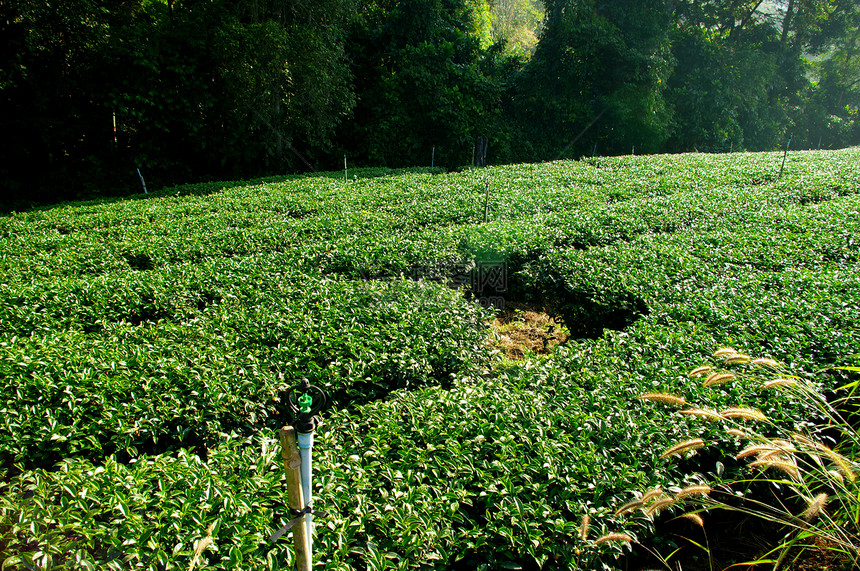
(51, 116)
(597, 77)
(242, 89)
(832, 117)
(421, 82)
(516, 24)
(185, 89)
(725, 87)
(751, 84)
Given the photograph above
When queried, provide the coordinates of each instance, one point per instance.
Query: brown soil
(523, 328)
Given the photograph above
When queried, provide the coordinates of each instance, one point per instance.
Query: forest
(99, 96)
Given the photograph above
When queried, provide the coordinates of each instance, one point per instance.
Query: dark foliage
(183, 90)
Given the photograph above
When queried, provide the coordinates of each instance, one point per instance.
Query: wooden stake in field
(784, 156)
(295, 497)
(142, 182)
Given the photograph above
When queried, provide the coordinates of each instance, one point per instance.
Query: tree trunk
(786, 24)
(737, 28)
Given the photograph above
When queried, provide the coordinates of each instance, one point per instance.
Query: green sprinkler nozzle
(305, 403)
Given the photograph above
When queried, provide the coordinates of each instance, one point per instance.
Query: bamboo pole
(295, 497)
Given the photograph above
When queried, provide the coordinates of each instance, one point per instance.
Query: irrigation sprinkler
(297, 442)
(304, 408)
(296, 501)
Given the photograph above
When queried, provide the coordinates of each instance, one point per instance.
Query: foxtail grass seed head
(659, 505)
(814, 507)
(718, 379)
(695, 518)
(783, 445)
(583, 527)
(776, 383)
(836, 476)
(788, 467)
(776, 454)
(737, 433)
(613, 537)
(724, 352)
(737, 359)
(702, 370)
(202, 544)
(696, 490)
(756, 450)
(651, 494)
(744, 413)
(842, 463)
(803, 440)
(766, 362)
(682, 447)
(702, 413)
(664, 398)
(819, 449)
(628, 507)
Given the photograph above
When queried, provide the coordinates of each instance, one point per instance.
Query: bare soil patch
(524, 328)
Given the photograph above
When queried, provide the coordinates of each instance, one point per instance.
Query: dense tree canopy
(92, 90)
(183, 90)
(420, 82)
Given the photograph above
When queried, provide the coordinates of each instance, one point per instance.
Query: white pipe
(306, 446)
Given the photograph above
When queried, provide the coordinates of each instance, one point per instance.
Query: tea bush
(147, 344)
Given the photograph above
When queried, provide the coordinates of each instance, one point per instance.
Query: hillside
(146, 344)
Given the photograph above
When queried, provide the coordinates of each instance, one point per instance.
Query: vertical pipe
(292, 466)
(306, 446)
(345, 179)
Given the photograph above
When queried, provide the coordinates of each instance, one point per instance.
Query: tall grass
(819, 507)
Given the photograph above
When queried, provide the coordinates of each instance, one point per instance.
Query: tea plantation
(146, 344)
